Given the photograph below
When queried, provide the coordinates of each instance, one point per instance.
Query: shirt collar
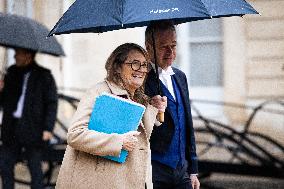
(168, 72)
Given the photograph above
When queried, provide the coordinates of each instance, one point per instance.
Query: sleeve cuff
(157, 123)
(193, 166)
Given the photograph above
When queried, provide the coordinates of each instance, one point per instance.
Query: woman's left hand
(130, 140)
(159, 102)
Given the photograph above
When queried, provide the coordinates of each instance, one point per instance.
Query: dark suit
(39, 114)
(162, 136)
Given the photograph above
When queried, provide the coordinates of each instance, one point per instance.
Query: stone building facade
(247, 57)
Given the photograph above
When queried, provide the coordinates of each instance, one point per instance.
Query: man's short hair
(31, 52)
(160, 25)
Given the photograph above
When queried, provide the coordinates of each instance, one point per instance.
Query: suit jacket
(161, 136)
(39, 110)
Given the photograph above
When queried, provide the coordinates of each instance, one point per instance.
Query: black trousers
(165, 177)
(9, 156)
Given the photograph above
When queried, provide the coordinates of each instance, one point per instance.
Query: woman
(83, 167)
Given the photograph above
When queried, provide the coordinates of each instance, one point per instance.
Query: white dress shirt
(165, 77)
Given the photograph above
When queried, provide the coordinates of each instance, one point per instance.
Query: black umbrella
(100, 16)
(21, 32)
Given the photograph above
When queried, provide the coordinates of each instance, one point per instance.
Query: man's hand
(159, 102)
(194, 182)
(46, 135)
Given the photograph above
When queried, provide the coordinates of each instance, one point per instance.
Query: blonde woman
(83, 167)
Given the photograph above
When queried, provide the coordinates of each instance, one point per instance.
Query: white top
(20, 106)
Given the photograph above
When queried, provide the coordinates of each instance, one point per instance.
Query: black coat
(161, 136)
(40, 105)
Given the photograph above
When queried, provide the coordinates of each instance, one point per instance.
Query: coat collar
(153, 85)
(116, 89)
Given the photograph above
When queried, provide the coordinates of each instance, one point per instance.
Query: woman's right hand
(130, 140)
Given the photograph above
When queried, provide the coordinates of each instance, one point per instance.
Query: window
(200, 56)
(20, 7)
(206, 57)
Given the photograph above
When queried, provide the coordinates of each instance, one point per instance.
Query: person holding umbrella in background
(28, 97)
(174, 158)
(29, 101)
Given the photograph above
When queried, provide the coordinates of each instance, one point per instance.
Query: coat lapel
(151, 84)
(183, 87)
(116, 90)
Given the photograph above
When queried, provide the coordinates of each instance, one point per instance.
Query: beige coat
(82, 166)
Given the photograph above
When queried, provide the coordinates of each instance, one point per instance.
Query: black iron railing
(247, 152)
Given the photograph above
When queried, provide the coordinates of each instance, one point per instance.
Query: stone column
(47, 13)
(235, 66)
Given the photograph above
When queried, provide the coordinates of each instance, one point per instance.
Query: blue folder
(113, 114)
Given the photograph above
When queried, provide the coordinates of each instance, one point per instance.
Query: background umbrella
(21, 32)
(100, 16)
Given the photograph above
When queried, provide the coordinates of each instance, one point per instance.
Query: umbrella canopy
(21, 32)
(100, 16)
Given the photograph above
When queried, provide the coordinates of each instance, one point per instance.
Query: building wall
(234, 66)
(254, 65)
(2, 50)
(253, 56)
(265, 34)
(265, 66)
(86, 54)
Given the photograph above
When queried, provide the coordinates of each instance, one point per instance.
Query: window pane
(206, 28)
(206, 64)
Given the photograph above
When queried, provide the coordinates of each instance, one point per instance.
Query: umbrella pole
(161, 117)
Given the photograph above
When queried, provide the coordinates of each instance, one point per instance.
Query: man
(174, 159)
(29, 102)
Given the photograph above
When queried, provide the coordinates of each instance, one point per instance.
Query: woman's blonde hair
(114, 63)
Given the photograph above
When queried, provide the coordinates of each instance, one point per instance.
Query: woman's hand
(159, 102)
(130, 140)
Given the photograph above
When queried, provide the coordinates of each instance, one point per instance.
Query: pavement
(222, 181)
(215, 181)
